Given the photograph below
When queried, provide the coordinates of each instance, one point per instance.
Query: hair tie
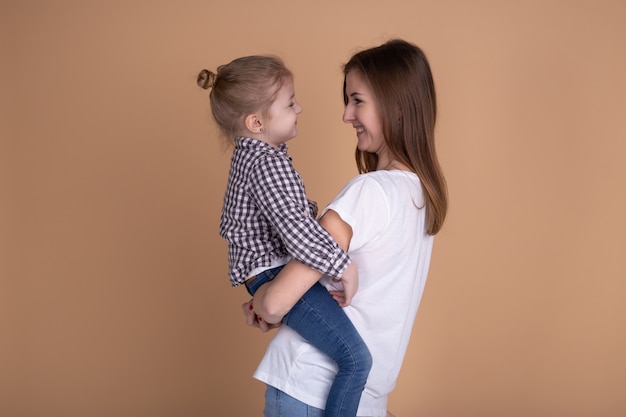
(206, 79)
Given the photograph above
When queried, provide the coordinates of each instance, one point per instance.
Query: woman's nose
(347, 115)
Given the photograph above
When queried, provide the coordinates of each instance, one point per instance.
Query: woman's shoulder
(384, 178)
(393, 185)
(372, 185)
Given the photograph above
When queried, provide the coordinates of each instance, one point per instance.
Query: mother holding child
(382, 224)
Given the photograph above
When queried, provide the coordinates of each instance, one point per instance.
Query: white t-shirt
(392, 252)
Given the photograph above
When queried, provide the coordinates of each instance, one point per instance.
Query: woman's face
(362, 112)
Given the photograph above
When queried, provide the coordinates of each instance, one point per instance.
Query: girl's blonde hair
(400, 78)
(243, 86)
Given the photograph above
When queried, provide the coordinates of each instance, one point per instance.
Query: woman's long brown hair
(400, 77)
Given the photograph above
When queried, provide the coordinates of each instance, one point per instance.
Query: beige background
(114, 299)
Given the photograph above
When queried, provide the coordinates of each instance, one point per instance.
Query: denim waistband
(253, 284)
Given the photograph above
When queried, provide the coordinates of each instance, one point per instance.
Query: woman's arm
(274, 299)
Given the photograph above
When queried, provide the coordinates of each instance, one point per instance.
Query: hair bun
(206, 79)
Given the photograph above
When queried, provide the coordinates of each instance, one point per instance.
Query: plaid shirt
(266, 215)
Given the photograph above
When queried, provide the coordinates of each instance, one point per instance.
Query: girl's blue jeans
(318, 318)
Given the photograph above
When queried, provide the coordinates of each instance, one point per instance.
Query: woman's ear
(253, 123)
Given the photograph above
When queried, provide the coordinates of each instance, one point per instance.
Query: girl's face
(362, 112)
(281, 124)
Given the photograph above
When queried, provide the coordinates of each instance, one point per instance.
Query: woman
(387, 217)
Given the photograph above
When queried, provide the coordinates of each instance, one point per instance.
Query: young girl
(392, 211)
(268, 220)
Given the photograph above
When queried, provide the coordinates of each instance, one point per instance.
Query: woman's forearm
(274, 299)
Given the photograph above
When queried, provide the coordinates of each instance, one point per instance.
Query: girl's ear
(253, 123)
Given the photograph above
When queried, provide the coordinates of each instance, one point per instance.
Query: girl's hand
(349, 285)
(339, 296)
(350, 282)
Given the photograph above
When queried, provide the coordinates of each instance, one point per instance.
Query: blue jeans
(318, 318)
(279, 404)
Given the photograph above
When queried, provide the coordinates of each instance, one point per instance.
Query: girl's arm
(274, 299)
(278, 192)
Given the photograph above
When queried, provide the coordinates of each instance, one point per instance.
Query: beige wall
(114, 299)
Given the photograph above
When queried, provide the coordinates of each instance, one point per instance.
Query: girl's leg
(279, 404)
(318, 318)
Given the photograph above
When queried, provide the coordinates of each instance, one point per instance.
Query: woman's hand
(255, 321)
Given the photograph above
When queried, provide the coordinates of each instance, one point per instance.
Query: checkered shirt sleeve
(267, 214)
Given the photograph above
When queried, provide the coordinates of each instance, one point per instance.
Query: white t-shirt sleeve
(362, 198)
